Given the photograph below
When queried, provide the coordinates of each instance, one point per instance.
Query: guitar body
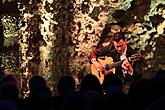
(103, 61)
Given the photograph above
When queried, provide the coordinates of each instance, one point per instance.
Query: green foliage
(10, 27)
(9, 62)
(125, 5)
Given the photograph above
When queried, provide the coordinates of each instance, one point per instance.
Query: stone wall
(57, 36)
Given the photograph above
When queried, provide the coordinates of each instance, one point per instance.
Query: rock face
(60, 35)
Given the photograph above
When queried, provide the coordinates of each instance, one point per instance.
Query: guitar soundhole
(106, 67)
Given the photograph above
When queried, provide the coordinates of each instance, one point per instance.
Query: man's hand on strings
(98, 66)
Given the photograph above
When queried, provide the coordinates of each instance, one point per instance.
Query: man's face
(120, 46)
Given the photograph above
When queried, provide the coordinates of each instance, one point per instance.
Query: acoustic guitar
(109, 66)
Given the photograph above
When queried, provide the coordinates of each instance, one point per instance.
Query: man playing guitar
(131, 67)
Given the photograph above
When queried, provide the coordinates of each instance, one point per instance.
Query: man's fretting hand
(127, 67)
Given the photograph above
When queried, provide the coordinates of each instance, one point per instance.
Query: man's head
(115, 28)
(119, 42)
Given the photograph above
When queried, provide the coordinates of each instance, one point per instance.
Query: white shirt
(123, 56)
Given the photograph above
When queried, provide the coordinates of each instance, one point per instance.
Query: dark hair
(105, 35)
(66, 84)
(118, 36)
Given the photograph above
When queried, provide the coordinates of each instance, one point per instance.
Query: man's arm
(93, 56)
(93, 59)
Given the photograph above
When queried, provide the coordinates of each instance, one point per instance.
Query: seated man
(131, 68)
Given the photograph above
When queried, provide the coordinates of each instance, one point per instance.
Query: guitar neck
(115, 64)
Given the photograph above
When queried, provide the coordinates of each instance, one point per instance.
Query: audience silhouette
(9, 90)
(40, 95)
(66, 85)
(144, 94)
(91, 82)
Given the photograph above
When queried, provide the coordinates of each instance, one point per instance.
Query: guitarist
(131, 69)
